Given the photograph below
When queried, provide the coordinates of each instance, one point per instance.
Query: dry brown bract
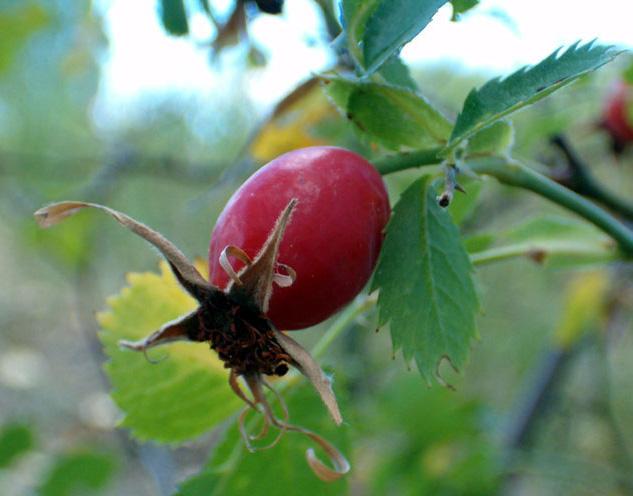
(234, 322)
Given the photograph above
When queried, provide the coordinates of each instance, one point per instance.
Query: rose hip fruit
(332, 241)
(615, 116)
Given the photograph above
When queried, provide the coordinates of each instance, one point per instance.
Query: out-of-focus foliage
(78, 473)
(293, 125)
(15, 440)
(17, 25)
(436, 443)
(556, 241)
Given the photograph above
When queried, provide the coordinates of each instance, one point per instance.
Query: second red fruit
(616, 117)
(332, 241)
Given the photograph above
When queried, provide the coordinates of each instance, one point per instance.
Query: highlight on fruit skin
(235, 324)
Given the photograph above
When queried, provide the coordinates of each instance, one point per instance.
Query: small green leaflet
(424, 275)
(377, 29)
(395, 117)
(496, 139)
(397, 73)
(393, 24)
(460, 7)
(500, 97)
(174, 17)
(233, 471)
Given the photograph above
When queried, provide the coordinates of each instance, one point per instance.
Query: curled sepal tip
(181, 329)
(185, 271)
(339, 464)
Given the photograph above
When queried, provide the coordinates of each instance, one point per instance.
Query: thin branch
(513, 173)
(579, 178)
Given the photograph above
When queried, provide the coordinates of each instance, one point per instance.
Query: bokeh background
(99, 102)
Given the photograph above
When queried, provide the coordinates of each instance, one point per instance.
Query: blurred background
(162, 113)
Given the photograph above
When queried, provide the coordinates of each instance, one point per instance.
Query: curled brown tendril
(339, 464)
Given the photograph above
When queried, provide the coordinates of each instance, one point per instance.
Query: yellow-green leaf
(183, 395)
(584, 306)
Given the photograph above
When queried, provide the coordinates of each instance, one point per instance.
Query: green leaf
(392, 24)
(500, 97)
(174, 17)
(460, 7)
(427, 295)
(79, 473)
(396, 73)
(463, 204)
(496, 139)
(233, 471)
(183, 395)
(15, 440)
(395, 117)
(354, 16)
(553, 240)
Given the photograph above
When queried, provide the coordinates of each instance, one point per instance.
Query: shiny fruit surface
(332, 241)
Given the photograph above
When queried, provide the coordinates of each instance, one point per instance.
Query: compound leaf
(424, 275)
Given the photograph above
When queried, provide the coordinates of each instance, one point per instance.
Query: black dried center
(242, 337)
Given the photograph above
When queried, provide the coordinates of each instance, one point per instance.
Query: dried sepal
(285, 280)
(309, 368)
(257, 278)
(187, 274)
(340, 465)
(225, 263)
(184, 328)
(320, 469)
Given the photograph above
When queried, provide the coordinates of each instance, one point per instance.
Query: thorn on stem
(450, 185)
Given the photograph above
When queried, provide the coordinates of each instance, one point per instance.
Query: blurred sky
(497, 36)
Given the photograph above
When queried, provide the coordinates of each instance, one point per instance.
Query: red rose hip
(615, 116)
(333, 239)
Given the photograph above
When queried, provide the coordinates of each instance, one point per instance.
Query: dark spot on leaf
(537, 255)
